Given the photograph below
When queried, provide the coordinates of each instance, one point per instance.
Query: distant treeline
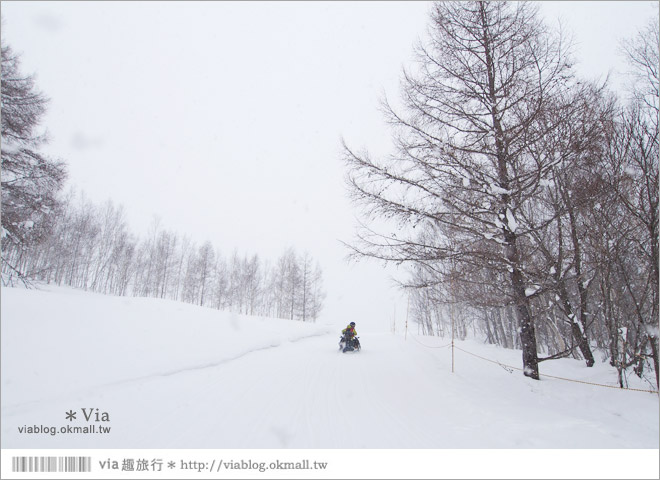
(90, 247)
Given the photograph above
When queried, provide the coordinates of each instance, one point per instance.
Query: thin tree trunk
(580, 333)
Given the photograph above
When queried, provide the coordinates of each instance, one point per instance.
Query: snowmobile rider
(350, 329)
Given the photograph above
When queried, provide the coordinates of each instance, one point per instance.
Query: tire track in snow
(92, 390)
(394, 416)
(264, 384)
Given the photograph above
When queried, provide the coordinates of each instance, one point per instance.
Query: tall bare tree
(30, 180)
(633, 160)
(462, 174)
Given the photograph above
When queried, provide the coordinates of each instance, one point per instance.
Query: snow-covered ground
(173, 375)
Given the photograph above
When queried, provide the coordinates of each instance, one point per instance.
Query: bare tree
(206, 261)
(311, 294)
(564, 267)
(633, 258)
(30, 180)
(221, 281)
(184, 251)
(252, 283)
(462, 172)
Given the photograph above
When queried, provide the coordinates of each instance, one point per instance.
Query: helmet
(352, 324)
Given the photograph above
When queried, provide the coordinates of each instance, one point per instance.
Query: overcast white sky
(224, 119)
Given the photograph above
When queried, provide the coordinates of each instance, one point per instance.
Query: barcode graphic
(51, 464)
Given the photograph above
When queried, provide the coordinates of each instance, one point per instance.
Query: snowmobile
(348, 344)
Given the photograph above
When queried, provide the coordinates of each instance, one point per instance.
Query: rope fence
(510, 369)
(429, 346)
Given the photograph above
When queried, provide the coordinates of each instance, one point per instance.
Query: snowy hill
(163, 374)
